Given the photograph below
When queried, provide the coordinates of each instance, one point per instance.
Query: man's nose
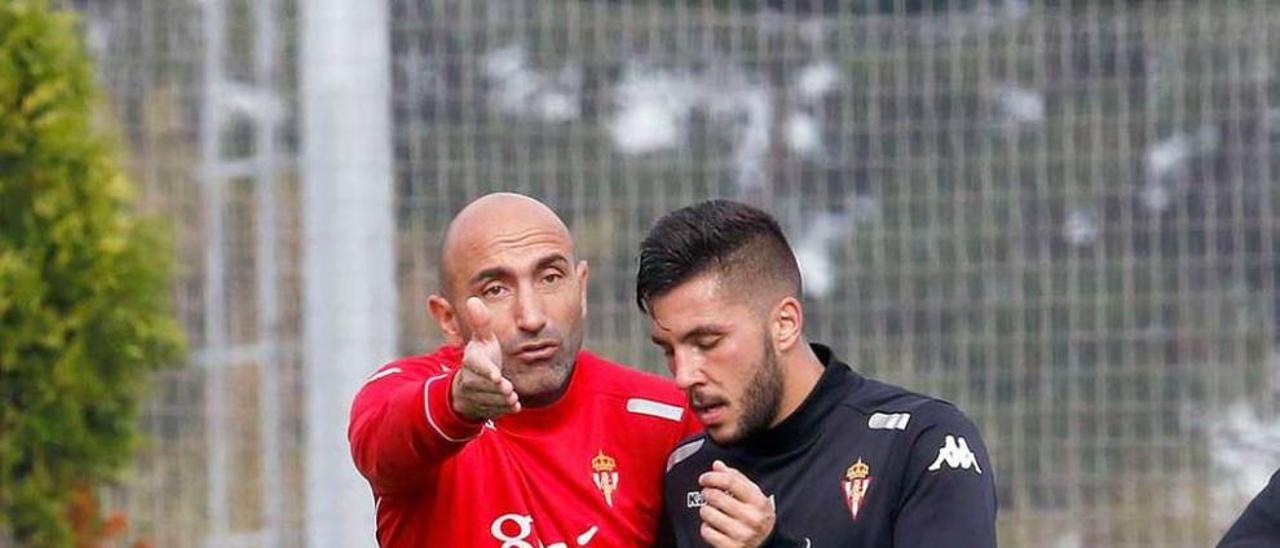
(686, 371)
(530, 316)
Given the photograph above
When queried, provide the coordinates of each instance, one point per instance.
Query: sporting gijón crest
(856, 482)
(604, 471)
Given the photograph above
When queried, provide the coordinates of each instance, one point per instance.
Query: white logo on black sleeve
(694, 499)
(889, 421)
(955, 454)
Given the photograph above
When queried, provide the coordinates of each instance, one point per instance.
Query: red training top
(584, 471)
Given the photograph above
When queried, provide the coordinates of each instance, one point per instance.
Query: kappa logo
(955, 454)
(694, 499)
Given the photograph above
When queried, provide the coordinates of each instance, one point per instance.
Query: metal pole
(349, 277)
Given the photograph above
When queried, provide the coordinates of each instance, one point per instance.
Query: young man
(510, 436)
(799, 449)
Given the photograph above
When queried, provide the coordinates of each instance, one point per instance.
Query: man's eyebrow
(697, 332)
(488, 273)
(551, 260)
(703, 331)
(502, 271)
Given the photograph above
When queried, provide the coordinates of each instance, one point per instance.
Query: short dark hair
(744, 244)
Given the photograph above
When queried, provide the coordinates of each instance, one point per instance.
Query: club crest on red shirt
(604, 470)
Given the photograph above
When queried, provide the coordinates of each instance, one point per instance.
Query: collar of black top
(798, 431)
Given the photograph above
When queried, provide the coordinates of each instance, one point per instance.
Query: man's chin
(724, 434)
(543, 384)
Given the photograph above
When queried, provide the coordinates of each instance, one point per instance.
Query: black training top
(1259, 525)
(859, 463)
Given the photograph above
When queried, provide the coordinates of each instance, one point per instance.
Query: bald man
(510, 435)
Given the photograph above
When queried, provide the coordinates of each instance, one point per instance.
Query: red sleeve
(403, 426)
(689, 424)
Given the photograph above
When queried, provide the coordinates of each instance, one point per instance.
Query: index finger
(479, 317)
(727, 478)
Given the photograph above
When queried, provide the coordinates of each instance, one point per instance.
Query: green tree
(85, 302)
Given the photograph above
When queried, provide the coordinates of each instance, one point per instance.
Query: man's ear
(787, 324)
(446, 317)
(583, 273)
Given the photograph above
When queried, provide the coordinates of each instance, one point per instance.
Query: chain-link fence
(1059, 216)
(203, 94)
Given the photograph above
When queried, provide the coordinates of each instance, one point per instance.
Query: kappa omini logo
(604, 471)
(857, 479)
(955, 454)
